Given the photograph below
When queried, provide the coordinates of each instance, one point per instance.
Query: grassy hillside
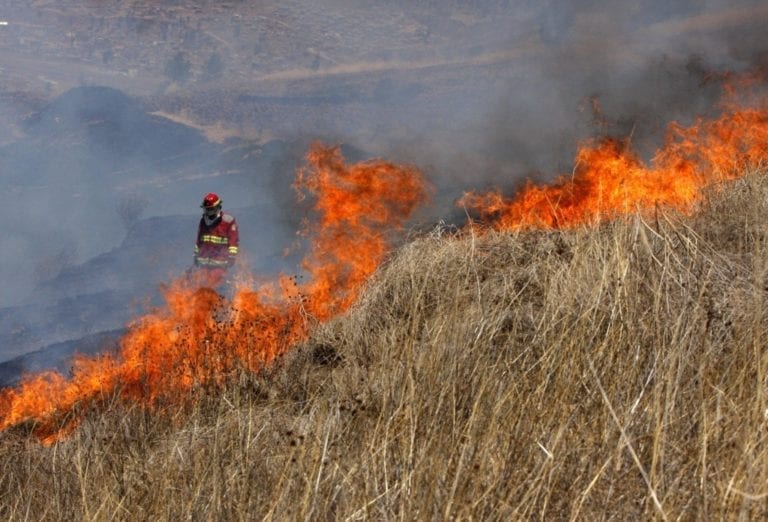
(609, 372)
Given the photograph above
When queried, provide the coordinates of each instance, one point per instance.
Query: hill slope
(611, 372)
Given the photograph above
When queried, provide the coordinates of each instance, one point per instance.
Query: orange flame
(355, 222)
(199, 338)
(611, 180)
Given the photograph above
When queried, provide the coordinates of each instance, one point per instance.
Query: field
(608, 372)
(457, 343)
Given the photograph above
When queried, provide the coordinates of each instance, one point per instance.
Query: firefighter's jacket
(217, 243)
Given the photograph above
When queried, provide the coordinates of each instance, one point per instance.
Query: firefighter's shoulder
(227, 218)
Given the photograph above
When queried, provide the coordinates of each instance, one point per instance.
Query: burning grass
(610, 180)
(616, 371)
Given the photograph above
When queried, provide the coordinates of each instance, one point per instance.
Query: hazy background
(116, 117)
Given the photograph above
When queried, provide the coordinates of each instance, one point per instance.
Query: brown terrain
(268, 51)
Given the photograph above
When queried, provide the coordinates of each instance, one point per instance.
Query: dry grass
(617, 372)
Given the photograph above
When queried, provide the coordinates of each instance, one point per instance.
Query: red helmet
(211, 201)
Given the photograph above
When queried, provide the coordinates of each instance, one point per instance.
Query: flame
(198, 338)
(355, 223)
(611, 180)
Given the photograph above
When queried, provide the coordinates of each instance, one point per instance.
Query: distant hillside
(115, 128)
(93, 134)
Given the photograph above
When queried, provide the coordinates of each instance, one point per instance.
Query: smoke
(615, 69)
(525, 82)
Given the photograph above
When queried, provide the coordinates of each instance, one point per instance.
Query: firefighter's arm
(234, 242)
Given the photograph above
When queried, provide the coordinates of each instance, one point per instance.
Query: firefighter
(217, 238)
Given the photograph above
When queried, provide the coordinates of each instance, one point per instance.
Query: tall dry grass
(616, 372)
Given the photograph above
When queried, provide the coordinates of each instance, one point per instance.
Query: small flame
(198, 339)
(611, 180)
